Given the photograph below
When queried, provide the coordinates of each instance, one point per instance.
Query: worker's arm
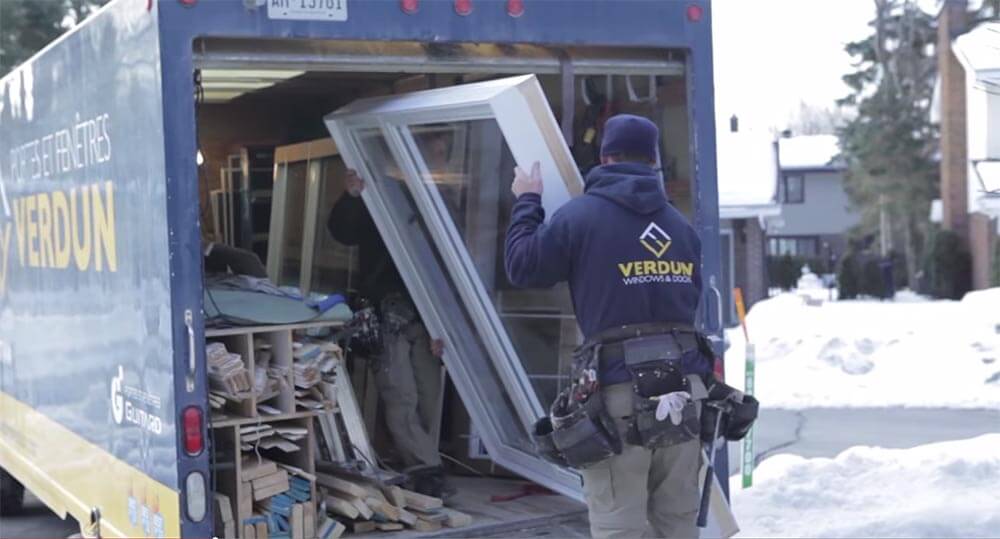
(537, 255)
(349, 219)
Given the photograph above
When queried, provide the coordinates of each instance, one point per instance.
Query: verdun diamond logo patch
(655, 240)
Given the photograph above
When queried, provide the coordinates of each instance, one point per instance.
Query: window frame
(785, 199)
(525, 119)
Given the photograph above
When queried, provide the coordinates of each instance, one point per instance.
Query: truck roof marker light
(188, 3)
(515, 8)
(194, 441)
(695, 13)
(409, 6)
(463, 7)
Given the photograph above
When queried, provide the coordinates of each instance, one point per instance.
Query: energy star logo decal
(655, 240)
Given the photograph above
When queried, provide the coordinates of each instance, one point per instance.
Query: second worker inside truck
(408, 370)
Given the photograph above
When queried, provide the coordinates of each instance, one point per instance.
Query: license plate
(307, 10)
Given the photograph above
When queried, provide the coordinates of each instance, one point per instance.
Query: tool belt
(654, 362)
(579, 432)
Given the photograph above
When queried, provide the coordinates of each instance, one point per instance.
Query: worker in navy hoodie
(632, 261)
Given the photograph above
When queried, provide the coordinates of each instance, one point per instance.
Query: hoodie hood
(634, 186)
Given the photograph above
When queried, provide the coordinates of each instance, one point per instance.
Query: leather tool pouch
(582, 433)
(541, 434)
(737, 421)
(654, 363)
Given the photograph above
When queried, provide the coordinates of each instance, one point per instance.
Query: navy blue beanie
(631, 135)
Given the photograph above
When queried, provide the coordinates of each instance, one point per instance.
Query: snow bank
(912, 352)
(939, 490)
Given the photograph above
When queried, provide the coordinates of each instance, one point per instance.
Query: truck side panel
(87, 407)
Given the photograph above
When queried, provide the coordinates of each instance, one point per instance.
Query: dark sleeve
(349, 220)
(537, 255)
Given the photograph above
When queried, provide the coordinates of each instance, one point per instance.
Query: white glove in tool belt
(672, 404)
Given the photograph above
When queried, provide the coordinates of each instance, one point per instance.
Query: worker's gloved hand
(355, 184)
(672, 404)
(527, 183)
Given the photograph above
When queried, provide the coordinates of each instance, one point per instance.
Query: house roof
(748, 174)
(813, 152)
(979, 51)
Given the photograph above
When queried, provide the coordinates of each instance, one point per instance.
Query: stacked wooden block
(278, 502)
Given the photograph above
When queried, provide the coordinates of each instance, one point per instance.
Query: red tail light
(515, 8)
(409, 6)
(194, 442)
(463, 7)
(695, 13)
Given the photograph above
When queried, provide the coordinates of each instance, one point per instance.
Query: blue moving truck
(103, 385)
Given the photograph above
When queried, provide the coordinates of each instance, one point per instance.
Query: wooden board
(456, 519)
(348, 488)
(297, 522)
(261, 528)
(341, 507)
(330, 529)
(426, 526)
(389, 526)
(407, 517)
(419, 501)
(395, 495)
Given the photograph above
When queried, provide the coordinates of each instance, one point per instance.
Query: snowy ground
(824, 362)
(911, 352)
(946, 489)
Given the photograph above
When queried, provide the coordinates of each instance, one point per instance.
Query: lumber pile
(227, 374)
(361, 506)
(312, 360)
(279, 499)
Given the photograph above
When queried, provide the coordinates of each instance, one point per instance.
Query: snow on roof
(748, 174)
(979, 51)
(808, 151)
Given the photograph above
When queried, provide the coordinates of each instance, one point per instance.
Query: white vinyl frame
(519, 107)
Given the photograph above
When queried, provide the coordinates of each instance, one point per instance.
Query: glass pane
(468, 168)
(484, 387)
(291, 252)
(335, 265)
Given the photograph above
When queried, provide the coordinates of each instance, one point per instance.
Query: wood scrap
(419, 501)
(395, 495)
(389, 526)
(384, 508)
(298, 472)
(298, 522)
(349, 488)
(435, 515)
(309, 520)
(249, 531)
(361, 526)
(330, 529)
(255, 468)
(261, 529)
(363, 509)
(456, 519)
(426, 526)
(342, 507)
(407, 517)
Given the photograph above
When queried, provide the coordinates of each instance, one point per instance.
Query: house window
(806, 246)
(794, 189)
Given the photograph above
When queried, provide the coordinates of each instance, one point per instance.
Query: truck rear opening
(268, 98)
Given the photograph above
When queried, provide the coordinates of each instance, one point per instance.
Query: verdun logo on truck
(62, 229)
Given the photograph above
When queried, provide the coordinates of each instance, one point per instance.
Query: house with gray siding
(816, 212)
(748, 181)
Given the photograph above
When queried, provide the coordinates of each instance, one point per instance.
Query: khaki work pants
(408, 380)
(642, 492)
